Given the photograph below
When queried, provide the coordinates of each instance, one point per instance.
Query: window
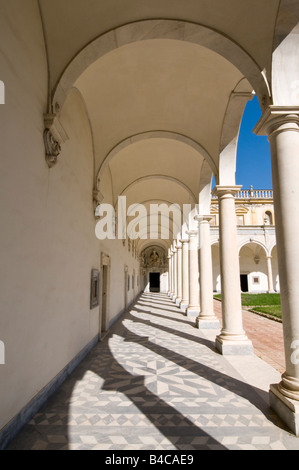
(256, 280)
(268, 219)
(240, 219)
(95, 289)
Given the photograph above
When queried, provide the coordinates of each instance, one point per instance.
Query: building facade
(256, 241)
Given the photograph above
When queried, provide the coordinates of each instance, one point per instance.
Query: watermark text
(2, 92)
(156, 221)
(2, 353)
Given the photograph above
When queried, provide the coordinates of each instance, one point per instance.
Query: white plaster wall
(48, 243)
(26, 247)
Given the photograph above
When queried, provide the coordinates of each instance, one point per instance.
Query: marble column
(232, 339)
(193, 307)
(172, 276)
(169, 272)
(175, 272)
(185, 275)
(179, 274)
(281, 124)
(270, 275)
(206, 318)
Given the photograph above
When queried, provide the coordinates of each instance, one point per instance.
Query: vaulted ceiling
(158, 80)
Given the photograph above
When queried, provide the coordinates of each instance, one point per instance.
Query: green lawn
(254, 300)
(274, 310)
(263, 303)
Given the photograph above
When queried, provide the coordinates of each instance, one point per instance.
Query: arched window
(268, 219)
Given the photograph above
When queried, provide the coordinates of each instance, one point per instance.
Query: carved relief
(54, 137)
(52, 147)
(153, 257)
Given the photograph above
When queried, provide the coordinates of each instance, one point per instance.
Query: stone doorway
(155, 282)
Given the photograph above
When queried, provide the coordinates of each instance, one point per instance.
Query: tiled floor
(156, 382)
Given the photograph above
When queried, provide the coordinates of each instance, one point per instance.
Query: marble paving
(157, 383)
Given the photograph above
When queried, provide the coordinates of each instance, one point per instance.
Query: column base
(207, 323)
(178, 301)
(286, 408)
(192, 312)
(236, 347)
(184, 306)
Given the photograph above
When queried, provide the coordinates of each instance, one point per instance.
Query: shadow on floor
(52, 429)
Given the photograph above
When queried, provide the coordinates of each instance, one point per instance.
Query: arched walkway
(157, 383)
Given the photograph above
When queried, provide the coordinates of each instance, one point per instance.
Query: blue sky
(253, 157)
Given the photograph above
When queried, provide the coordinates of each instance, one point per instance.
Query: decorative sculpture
(52, 147)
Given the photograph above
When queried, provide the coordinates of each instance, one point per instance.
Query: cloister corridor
(156, 382)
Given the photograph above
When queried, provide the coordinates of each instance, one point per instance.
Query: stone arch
(165, 29)
(254, 242)
(156, 135)
(285, 65)
(143, 244)
(206, 176)
(230, 133)
(253, 266)
(163, 177)
(174, 226)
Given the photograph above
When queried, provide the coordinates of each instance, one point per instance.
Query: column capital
(185, 242)
(203, 218)
(278, 119)
(221, 191)
(192, 233)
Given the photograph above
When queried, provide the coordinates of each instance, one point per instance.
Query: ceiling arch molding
(249, 243)
(144, 244)
(172, 224)
(162, 29)
(156, 135)
(160, 177)
(230, 133)
(164, 225)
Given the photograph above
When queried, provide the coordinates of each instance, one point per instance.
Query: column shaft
(185, 275)
(270, 275)
(282, 126)
(175, 274)
(232, 339)
(193, 307)
(284, 140)
(169, 273)
(206, 318)
(179, 274)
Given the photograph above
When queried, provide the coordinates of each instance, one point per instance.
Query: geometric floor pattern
(155, 383)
